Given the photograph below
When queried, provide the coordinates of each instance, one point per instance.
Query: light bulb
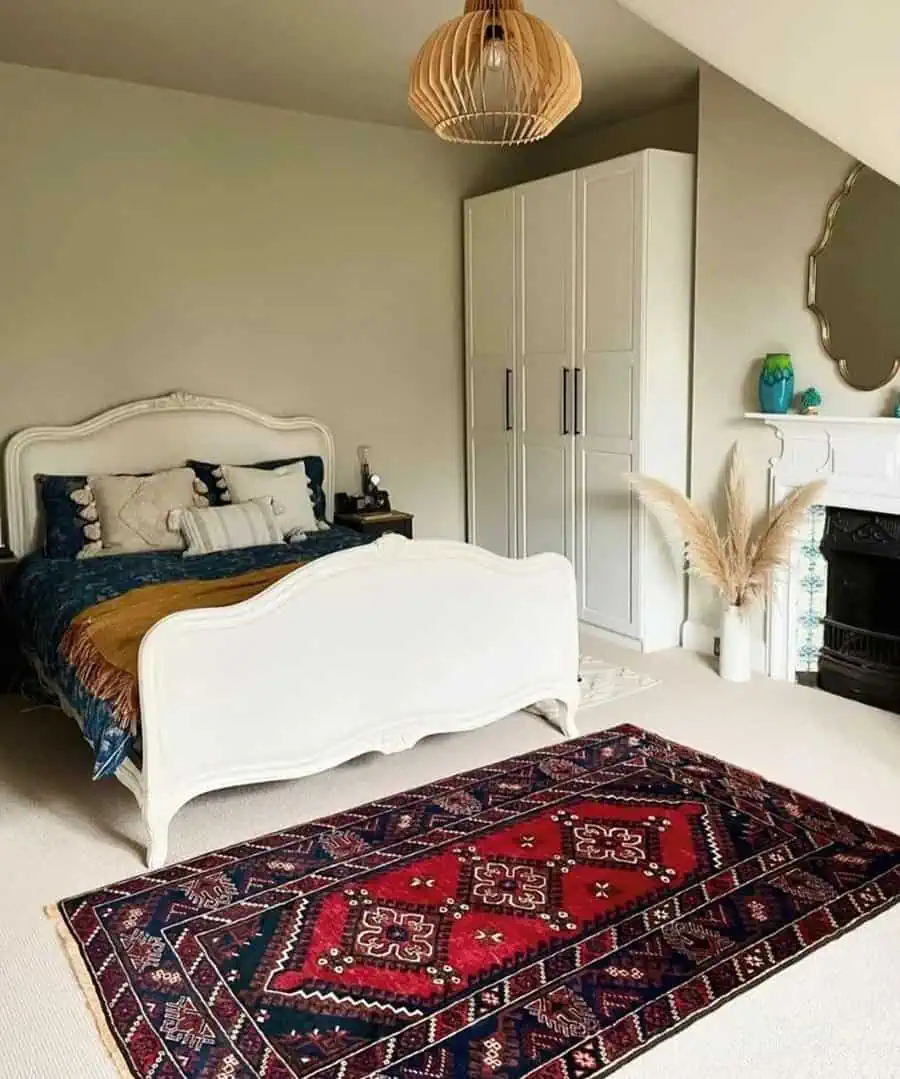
(495, 57)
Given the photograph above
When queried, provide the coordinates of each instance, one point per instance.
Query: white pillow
(287, 486)
(132, 511)
(227, 528)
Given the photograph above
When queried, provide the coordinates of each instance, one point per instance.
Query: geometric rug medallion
(549, 916)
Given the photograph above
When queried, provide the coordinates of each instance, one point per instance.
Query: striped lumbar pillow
(226, 528)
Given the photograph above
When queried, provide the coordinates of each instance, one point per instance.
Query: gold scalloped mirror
(854, 279)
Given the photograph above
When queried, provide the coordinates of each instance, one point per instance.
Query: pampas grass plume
(740, 560)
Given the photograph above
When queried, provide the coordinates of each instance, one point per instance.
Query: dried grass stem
(740, 560)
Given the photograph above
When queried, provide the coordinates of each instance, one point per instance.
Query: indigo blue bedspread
(47, 594)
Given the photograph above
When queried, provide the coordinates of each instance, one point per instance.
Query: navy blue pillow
(63, 525)
(315, 471)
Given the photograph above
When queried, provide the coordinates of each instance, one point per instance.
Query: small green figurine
(810, 402)
(897, 409)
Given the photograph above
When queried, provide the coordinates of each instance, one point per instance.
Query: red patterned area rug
(549, 916)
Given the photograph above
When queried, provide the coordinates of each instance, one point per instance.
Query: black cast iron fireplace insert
(860, 657)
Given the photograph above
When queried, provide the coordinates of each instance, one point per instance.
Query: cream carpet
(834, 1015)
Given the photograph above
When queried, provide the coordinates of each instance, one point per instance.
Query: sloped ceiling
(347, 58)
(831, 64)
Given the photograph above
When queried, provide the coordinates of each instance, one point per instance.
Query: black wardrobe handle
(508, 402)
(578, 374)
(565, 400)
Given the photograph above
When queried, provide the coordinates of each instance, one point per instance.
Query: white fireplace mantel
(860, 459)
(858, 456)
(781, 419)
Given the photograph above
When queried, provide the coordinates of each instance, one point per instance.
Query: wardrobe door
(606, 388)
(546, 341)
(490, 370)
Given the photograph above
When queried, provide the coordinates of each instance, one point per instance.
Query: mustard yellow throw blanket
(102, 642)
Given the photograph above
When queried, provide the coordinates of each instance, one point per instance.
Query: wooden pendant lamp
(495, 75)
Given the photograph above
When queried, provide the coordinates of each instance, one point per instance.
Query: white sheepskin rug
(600, 683)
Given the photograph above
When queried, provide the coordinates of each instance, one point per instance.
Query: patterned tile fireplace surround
(860, 458)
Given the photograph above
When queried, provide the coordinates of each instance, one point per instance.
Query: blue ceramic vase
(776, 383)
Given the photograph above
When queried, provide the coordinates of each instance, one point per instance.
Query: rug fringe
(76, 962)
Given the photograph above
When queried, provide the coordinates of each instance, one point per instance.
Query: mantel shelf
(779, 419)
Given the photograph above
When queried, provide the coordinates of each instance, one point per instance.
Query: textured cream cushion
(133, 511)
(226, 528)
(287, 486)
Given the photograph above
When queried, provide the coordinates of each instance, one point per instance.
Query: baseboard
(699, 637)
(608, 636)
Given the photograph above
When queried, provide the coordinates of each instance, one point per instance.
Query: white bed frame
(368, 649)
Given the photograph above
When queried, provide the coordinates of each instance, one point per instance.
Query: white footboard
(369, 649)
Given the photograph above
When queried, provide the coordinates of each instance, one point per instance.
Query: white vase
(734, 646)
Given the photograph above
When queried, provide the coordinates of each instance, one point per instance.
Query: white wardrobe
(578, 335)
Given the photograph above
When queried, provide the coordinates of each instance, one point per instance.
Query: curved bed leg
(156, 823)
(567, 719)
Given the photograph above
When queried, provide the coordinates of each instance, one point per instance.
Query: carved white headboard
(144, 436)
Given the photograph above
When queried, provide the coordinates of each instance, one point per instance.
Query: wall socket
(717, 646)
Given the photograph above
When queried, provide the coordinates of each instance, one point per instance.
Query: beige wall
(764, 182)
(153, 240)
(670, 128)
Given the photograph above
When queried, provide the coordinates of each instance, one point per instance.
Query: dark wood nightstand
(377, 523)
